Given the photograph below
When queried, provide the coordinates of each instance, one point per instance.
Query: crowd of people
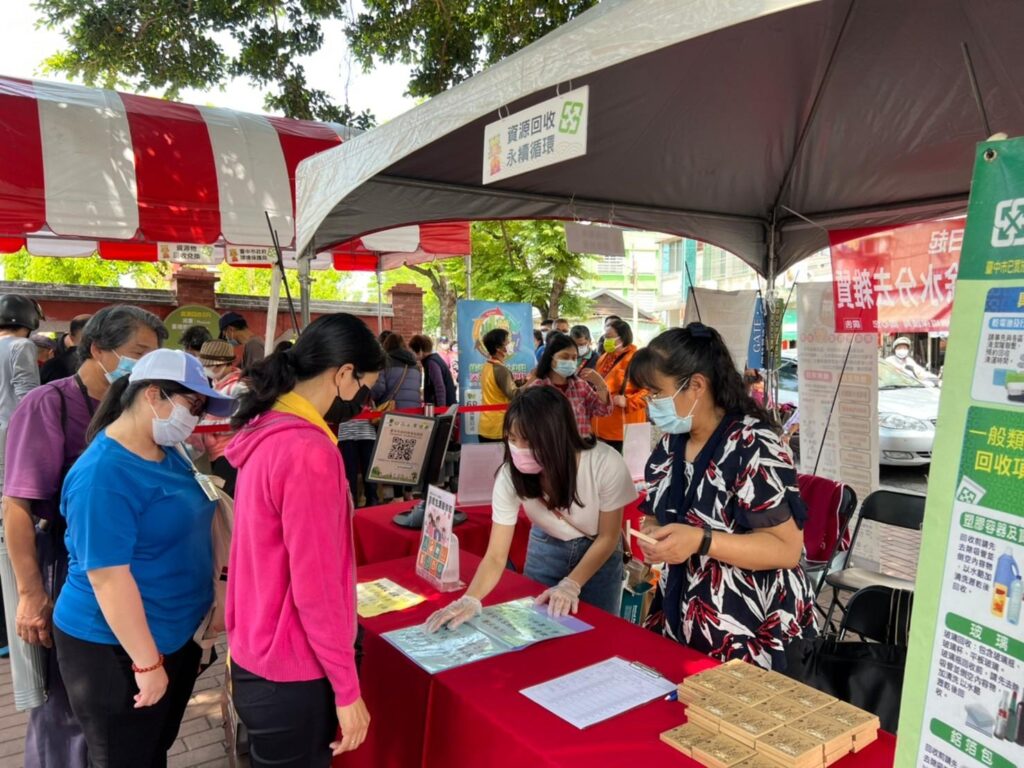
(109, 497)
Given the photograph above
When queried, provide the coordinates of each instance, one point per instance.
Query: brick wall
(407, 305)
(193, 286)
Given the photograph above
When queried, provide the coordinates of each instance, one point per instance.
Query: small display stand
(438, 559)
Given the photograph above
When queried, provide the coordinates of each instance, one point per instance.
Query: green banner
(965, 664)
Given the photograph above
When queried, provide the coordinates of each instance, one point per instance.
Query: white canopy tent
(755, 125)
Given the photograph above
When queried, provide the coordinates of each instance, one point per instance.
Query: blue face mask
(662, 413)
(565, 368)
(124, 367)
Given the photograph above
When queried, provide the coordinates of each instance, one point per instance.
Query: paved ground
(201, 742)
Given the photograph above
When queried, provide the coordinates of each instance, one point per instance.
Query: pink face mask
(524, 460)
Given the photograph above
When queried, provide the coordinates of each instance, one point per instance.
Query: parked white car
(907, 412)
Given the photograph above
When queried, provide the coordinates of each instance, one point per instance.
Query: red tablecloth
(378, 539)
(475, 716)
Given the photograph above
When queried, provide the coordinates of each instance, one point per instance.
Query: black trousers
(222, 468)
(483, 439)
(101, 687)
(291, 725)
(357, 455)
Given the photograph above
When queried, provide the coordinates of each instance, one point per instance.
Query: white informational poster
(544, 134)
(594, 238)
(731, 313)
(843, 446)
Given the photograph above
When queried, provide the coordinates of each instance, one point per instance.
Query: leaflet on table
(975, 706)
(499, 629)
(384, 596)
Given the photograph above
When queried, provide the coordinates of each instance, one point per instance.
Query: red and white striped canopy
(145, 179)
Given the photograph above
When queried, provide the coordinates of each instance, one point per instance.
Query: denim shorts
(549, 560)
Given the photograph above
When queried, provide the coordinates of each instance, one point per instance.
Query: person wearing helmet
(19, 374)
(902, 358)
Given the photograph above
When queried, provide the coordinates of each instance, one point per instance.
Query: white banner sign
(731, 313)
(592, 238)
(186, 253)
(544, 134)
(848, 440)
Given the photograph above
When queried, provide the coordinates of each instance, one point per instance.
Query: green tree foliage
(443, 284)
(528, 261)
(85, 271)
(168, 45)
(448, 42)
(328, 285)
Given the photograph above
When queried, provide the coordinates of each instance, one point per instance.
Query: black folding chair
(899, 509)
(881, 614)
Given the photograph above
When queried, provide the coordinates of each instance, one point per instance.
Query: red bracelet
(141, 670)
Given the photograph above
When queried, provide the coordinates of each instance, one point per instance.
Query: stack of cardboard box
(741, 716)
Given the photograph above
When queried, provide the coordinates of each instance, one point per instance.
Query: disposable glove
(562, 599)
(454, 614)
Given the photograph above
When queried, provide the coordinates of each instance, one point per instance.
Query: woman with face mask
(585, 389)
(497, 386)
(573, 492)
(218, 359)
(291, 605)
(140, 562)
(628, 400)
(723, 491)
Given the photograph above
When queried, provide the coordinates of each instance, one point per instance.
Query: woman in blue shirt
(140, 563)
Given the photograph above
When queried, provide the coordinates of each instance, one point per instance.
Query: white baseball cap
(181, 368)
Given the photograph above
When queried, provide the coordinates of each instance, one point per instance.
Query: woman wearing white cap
(140, 562)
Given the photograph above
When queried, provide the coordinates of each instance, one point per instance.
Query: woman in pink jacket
(291, 608)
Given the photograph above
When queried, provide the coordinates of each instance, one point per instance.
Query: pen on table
(674, 696)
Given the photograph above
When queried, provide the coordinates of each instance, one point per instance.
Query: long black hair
(121, 396)
(330, 341)
(681, 352)
(543, 417)
(557, 342)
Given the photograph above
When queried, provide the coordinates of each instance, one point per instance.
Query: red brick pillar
(194, 286)
(407, 305)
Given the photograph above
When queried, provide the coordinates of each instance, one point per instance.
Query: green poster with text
(963, 694)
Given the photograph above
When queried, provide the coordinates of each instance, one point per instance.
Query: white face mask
(510, 349)
(902, 353)
(176, 428)
(582, 351)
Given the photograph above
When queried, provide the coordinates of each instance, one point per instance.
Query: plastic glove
(454, 614)
(562, 599)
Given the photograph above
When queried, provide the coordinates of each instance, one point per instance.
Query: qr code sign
(401, 449)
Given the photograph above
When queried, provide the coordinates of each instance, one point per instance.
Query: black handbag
(868, 675)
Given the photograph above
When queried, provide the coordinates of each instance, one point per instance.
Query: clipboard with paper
(601, 691)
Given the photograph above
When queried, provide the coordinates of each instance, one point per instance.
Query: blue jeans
(549, 560)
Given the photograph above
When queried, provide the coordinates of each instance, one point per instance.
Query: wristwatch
(705, 543)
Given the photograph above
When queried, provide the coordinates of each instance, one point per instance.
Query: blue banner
(755, 349)
(473, 320)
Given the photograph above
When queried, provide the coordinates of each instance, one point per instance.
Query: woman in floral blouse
(729, 517)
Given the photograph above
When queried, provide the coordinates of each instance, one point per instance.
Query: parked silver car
(907, 412)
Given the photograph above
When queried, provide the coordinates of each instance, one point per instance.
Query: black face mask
(344, 410)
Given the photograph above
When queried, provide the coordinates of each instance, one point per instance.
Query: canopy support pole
(272, 309)
(469, 275)
(305, 286)
(380, 298)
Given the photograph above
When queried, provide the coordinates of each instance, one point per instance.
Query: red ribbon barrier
(367, 415)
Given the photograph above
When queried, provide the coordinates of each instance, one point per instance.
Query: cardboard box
(749, 725)
(721, 752)
(790, 747)
(714, 706)
(638, 593)
(743, 670)
(684, 737)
